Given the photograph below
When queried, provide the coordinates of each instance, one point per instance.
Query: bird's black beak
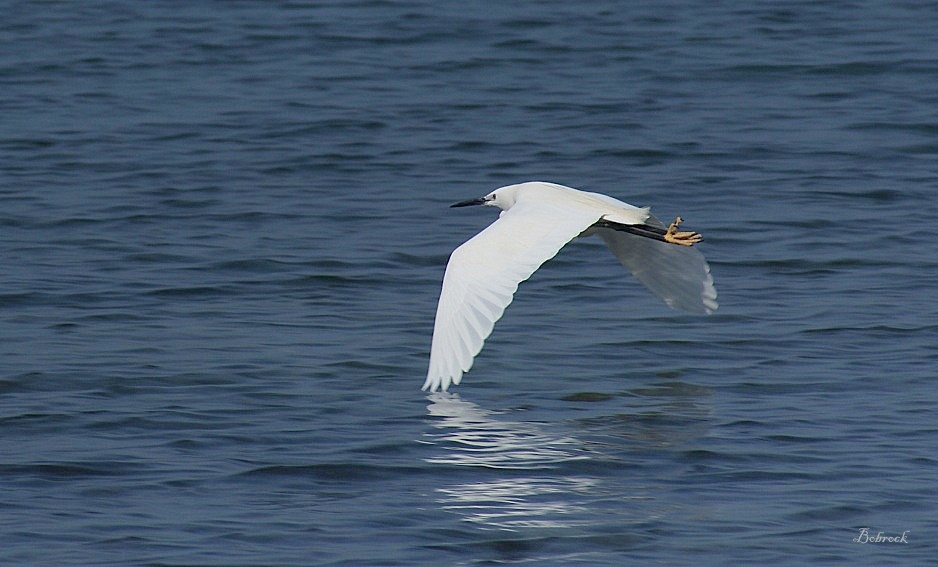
(470, 202)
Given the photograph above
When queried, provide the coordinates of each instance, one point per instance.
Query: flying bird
(537, 219)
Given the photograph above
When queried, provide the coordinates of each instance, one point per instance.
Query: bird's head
(503, 198)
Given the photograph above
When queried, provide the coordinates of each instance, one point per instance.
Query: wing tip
(441, 383)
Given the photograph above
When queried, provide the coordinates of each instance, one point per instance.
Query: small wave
(331, 471)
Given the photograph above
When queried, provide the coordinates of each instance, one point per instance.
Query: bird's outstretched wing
(482, 276)
(679, 275)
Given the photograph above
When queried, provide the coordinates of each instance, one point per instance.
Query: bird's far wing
(679, 275)
(482, 276)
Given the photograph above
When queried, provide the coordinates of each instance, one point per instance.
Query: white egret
(536, 221)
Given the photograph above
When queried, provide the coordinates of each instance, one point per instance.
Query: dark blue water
(224, 226)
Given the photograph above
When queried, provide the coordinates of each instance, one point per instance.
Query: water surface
(224, 228)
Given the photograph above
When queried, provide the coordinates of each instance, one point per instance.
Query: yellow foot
(682, 238)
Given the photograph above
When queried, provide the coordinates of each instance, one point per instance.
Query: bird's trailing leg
(671, 234)
(674, 236)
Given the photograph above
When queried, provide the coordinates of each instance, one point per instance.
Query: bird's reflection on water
(532, 475)
(526, 502)
(508, 499)
(477, 437)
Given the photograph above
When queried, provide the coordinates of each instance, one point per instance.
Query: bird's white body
(536, 221)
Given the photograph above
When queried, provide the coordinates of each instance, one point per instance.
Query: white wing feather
(483, 274)
(679, 275)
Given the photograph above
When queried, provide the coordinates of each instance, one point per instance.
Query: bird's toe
(684, 238)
